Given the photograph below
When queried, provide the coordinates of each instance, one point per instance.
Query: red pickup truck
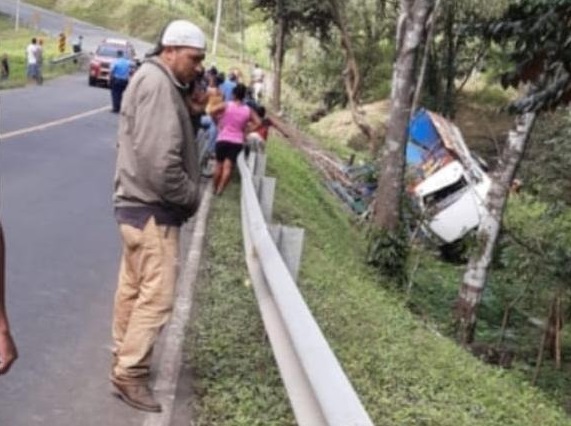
(106, 53)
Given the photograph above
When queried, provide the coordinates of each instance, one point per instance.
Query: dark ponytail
(239, 92)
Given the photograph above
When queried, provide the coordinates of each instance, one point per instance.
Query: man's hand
(8, 351)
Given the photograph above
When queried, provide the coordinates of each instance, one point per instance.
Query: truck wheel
(92, 81)
(455, 252)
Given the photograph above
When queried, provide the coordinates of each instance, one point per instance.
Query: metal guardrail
(319, 391)
(70, 57)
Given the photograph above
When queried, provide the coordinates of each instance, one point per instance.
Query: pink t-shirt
(233, 122)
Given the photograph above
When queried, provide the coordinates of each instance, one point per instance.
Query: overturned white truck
(447, 183)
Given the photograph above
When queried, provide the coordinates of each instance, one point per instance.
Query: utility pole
(17, 25)
(242, 32)
(217, 28)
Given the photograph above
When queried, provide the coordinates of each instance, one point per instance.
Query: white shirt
(31, 54)
(258, 75)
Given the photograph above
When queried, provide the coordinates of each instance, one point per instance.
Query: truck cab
(103, 57)
(447, 183)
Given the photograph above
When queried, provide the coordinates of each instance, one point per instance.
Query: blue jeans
(117, 89)
(212, 129)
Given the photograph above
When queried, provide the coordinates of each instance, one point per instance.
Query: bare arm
(255, 121)
(218, 108)
(8, 352)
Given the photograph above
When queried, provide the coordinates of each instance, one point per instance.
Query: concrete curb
(170, 361)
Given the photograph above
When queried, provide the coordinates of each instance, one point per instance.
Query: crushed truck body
(446, 181)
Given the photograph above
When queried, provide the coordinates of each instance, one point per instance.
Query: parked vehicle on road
(103, 57)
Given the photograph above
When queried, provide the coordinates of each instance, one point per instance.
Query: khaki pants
(144, 298)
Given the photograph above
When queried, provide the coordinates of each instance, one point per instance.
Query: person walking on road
(32, 61)
(8, 352)
(118, 79)
(156, 190)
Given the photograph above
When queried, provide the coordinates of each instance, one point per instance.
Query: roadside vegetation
(397, 339)
(404, 370)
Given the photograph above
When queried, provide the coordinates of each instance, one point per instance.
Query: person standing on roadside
(4, 68)
(40, 62)
(156, 190)
(32, 61)
(235, 119)
(227, 87)
(8, 352)
(118, 79)
(258, 83)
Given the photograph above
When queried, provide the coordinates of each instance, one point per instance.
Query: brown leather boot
(137, 395)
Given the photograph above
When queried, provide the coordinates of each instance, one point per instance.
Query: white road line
(4, 136)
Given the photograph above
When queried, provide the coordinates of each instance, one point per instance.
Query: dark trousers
(117, 89)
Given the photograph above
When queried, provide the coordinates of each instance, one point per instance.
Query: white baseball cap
(183, 33)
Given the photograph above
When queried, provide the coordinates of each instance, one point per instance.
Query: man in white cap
(156, 191)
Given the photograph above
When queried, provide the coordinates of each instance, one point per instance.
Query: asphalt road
(62, 256)
(57, 157)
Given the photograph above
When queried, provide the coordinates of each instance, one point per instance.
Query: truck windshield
(445, 196)
(111, 51)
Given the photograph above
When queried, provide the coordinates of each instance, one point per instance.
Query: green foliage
(319, 74)
(404, 373)
(13, 44)
(235, 379)
(388, 252)
(546, 167)
(538, 38)
(311, 16)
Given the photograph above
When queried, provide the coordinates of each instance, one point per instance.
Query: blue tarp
(422, 132)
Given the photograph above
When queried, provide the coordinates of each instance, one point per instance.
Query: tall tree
(312, 16)
(411, 31)
(351, 73)
(454, 53)
(541, 38)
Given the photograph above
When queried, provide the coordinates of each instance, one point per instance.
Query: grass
(405, 373)
(13, 43)
(235, 379)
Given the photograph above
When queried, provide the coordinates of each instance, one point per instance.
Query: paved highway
(57, 155)
(62, 255)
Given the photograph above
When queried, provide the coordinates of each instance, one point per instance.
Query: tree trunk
(450, 74)
(507, 314)
(427, 45)
(541, 352)
(278, 58)
(558, 326)
(477, 270)
(410, 34)
(543, 343)
(352, 77)
(217, 28)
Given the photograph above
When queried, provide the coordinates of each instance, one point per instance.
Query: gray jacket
(157, 160)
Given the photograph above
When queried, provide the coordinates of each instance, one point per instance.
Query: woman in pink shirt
(236, 117)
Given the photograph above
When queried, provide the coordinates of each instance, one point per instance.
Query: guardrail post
(251, 161)
(289, 241)
(265, 190)
(261, 161)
